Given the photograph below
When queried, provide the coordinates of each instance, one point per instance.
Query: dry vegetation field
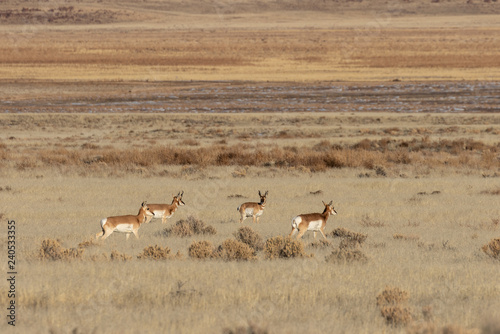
(390, 109)
(420, 191)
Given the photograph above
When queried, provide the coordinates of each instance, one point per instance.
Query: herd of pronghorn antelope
(130, 224)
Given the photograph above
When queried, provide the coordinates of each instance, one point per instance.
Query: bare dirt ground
(388, 108)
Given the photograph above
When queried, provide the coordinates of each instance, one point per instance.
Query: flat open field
(423, 188)
(387, 108)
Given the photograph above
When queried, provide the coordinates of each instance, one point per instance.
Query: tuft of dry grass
(117, 256)
(248, 236)
(493, 191)
(346, 253)
(155, 253)
(234, 250)
(366, 221)
(344, 233)
(492, 248)
(396, 315)
(189, 227)
(88, 243)
(390, 303)
(321, 243)
(392, 296)
(281, 247)
(52, 250)
(250, 329)
(201, 250)
(410, 237)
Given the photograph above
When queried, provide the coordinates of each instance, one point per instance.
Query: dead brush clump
(321, 243)
(250, 329)
(346, 253)
(52, 250)
(156, 253)
(281, 247)
(201, 250)
(366, 221)
(117, 256)
(492, 248)
(234, 250)
(392, 296)
(408, 237)
(88, 243)
(189, 227)
(391, 304)
(248, 236)
(344, 233)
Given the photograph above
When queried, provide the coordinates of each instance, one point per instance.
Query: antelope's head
(145, 209)
(263, 197)
(329, 208)
(178, 199)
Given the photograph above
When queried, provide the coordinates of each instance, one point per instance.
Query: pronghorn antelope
(165, 211)
(312, 221)
(125, 224)
(252, 209)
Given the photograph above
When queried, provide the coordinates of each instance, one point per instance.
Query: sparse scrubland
(416, 212)
(388, 108)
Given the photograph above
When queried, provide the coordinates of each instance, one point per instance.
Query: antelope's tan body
(252, 209)
(312, 221)
(124, 224)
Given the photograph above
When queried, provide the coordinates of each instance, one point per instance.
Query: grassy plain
(426, 221)
(105, 104)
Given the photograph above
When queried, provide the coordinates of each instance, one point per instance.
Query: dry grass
(318, 159)
(155, 253)
(302, 44)
(410, 237)
(396, 99)
(248, 236)
(52, 250)
(281, 247)
(492, 248)
(189, 227)
(392, 296)
(396, 315)
(117, 256)
(344, 255)
(250, 329)
(63, 198)
(391, 304)
(341, 232)
(201, 250)
(234, 250)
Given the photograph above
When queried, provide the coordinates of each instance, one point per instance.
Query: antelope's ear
(144, 204)
(267, 191)
(259, 193)
(324, 203)
(331, 203)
